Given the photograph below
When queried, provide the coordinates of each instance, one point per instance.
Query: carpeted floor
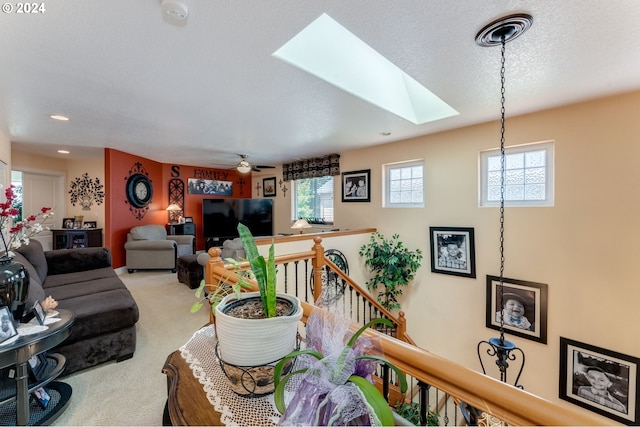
(133, 392)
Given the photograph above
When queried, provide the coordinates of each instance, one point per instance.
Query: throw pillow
(34, 253)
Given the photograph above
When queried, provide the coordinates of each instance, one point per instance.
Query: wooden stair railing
(318, 262)
(508, 404)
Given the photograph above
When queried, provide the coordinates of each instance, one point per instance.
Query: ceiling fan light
(243, 167)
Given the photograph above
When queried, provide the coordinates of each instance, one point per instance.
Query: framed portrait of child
(520, 307)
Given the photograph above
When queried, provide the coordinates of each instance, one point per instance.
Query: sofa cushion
(99, 313)
(34, 253)
(148, 232)
(86, 277)
(64, 261)
(36, 293)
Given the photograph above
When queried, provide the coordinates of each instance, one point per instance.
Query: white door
(44, 190)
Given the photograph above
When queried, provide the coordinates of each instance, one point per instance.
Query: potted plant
(254, 329)
(393, 266)
(336, 387)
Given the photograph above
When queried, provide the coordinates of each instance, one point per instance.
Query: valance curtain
(312, 168)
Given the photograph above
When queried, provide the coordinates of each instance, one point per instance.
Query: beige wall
(585, 247)
(95, 169)
(72, 168)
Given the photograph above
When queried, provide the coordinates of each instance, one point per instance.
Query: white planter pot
(253, 342)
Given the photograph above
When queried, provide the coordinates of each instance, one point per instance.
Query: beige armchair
(149, 248)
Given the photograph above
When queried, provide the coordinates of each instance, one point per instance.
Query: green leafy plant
(411, 413)
(222, 290)
(263, 271)
(393, 266)
(340, 370)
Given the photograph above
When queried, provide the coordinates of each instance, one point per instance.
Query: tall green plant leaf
(270, 291)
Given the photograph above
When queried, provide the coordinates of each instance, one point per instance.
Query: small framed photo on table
(90, 224)
(7, 328)
(67, 223)
(38, 311)
(42, 396)
(188, 219)
(38, 366)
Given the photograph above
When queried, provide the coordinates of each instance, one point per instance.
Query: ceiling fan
(244, 166)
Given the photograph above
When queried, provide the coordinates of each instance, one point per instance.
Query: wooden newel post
(318, 265)
(213, 262)
(402, 326)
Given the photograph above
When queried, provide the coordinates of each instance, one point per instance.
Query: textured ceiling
(200, 93)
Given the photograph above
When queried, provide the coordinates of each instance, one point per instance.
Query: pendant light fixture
(498, 33)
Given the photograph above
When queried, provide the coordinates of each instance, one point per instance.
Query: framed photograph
(7, 328)
(453, 251)
(67, 223)
(38, 366)
(209, 186)
(356, 186)
(77, 225)
(42, 396)
(39, 312)
(600, 380)
(522, 305)
(90, 224)
(269, 186)
(188, 219)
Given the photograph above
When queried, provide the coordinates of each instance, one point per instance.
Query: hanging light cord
(502, 190)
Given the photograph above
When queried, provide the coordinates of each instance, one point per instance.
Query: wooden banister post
(213, 262)
(318, 264)
(402, 326)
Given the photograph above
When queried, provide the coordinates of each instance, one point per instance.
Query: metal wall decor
(84, 191)
(176, 196)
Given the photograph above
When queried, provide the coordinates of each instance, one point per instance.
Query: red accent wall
(119, 218)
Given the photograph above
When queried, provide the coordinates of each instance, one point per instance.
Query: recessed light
(63, 151)
(386, 133)
(59, 117)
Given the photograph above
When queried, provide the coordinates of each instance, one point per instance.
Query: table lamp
(173, 210)
(300, 225)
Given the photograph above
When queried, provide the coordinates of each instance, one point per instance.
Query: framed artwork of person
(521, 305)
(600, 380)
(356, 186)
(453, 251)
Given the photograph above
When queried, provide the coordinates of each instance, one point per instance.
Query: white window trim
(385, 184)
(548, 146)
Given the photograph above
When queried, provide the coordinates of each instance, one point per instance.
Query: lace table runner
(199, 352)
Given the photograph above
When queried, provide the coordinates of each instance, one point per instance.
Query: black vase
(14, 286)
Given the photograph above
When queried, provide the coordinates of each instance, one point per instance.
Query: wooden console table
(187, 403)
(82, 238)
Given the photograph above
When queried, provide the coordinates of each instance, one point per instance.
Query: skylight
(329, 51)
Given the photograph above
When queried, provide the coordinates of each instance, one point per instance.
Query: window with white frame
(313, 200)
(528, 176)
(404, 184)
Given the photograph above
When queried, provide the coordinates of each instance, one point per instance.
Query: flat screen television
(220, 218)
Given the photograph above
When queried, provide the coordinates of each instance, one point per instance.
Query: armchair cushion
(149, 247)
(148, 232)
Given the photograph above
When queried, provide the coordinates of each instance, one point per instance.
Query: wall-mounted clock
(139, 190)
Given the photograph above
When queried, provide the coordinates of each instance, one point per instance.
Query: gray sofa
(83, 281)
(149, 248)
